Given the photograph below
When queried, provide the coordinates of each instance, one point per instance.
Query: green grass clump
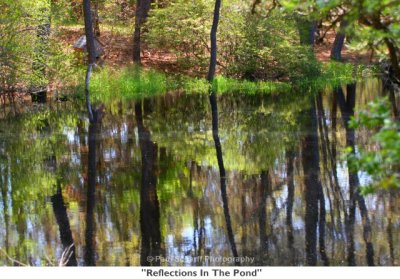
(134, 83)
(128, 83)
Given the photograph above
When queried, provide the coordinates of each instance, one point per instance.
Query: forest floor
(118, 50)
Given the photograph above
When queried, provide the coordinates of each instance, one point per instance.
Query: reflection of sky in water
(249, 146)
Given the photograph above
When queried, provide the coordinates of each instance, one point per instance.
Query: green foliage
(383, 163)
(31, 57)
(250, 46)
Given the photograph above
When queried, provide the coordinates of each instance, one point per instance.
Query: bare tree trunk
(96, 18)
(91, 53)
(336, 51)
(142, 11)
(149, 204)
(41, 53)
(213, 37)
(94, 127)
(393, 58)
(347, 108)
(60, 212)
(89, 32)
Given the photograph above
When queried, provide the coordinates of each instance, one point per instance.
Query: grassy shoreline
(109, 84)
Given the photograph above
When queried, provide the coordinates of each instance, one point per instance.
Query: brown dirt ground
(118, 50)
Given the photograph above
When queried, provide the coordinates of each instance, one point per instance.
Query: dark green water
(143, 185)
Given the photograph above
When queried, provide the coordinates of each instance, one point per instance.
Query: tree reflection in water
(167, 180)
(149, 205)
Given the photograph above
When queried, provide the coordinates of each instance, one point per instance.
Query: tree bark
(60, 212)
(347, 109)
(87, 13)
(213, 37)
(222, 174)
(149, 204)
(96, 18)
(91, 188)
(142, 11)
(393, 58)
(336, 51)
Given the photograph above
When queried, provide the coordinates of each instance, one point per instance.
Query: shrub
(250, 46)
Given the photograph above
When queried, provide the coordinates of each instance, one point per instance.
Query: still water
(155, 182)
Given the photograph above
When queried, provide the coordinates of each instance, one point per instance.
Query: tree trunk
(336, 51)
(60, 212)
(41, 51)
(393, 58)
(96, 26)
(149, 204)
(222, 173)
(142, 11)
(347, 109)
(89, 32)
(91, 188)
(213, 37)
(314, 196)
(91, 53)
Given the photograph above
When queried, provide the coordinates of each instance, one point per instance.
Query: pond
(172, 180)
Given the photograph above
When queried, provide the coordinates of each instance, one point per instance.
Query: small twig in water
(66, 255)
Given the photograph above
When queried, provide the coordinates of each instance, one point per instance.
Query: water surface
(154, 182)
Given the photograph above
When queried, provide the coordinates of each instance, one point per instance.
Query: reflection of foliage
(383, 163)
(33, 145)
(252, 137)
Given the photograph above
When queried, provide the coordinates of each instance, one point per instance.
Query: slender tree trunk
(310, 160)
(87, 12)
(393, 58)
(91, 53)
(314, 196)
(91, 187)
(213, 37)
(149, 204)
(96, 26)
(222, 173)
(41, 52)
(336, 51)
(347, 108)
(142, 11)
(60, 211)
(290, 155)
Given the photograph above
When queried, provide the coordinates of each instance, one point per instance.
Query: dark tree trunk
(310, 158)
(336, 51)
(213, 37)
(149, 204)
(91, 53)
(394, 59)
(222, 173)
(347, 109)
(314, 196)
(142, 11)
(87, 13)
(263, 215)
(290, 200)
(60, 211)
(92, 159)
(96, 25)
